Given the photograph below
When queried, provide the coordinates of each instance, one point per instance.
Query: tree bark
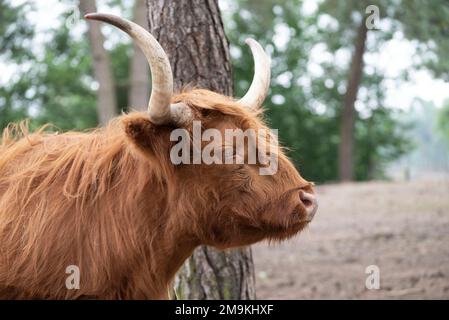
(346, 147)
(192, 34)
(139, 70)
(106, 99)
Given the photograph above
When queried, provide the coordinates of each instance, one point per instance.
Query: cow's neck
(174, 258)
(167, 249)
(169, 258)
(168, 245)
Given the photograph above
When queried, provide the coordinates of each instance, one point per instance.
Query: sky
(396, 56)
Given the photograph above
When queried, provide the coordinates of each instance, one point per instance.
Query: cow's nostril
(304, 199)
(310, 203)
(306, 202)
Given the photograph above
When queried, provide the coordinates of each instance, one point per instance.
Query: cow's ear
(146, 136)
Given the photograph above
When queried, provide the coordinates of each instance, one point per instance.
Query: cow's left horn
(160, 110)
(261, 81)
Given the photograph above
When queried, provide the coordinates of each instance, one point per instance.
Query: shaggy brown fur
(111, 202)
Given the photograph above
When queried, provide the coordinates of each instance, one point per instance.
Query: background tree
(346, 147)
(139, 70)
(350, 16)
(106, 100)
(192, 34)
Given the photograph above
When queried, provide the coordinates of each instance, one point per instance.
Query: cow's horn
(160, 110)
(261, 81)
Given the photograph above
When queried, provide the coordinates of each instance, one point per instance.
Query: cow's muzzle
(310, 203)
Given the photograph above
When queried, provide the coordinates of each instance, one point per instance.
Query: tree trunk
(192, 34)
(139, 72)
(346, 148)
(106, 100)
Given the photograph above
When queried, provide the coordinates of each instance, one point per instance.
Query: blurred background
(359, 93)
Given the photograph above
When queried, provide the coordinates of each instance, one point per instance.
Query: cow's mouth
(287, 232)
(298, 210)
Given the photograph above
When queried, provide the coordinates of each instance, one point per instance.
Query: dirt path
(403, 228)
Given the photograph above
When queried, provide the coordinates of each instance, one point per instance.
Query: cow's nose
(310, 203)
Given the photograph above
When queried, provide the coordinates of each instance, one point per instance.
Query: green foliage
(57, 86)
(429, 25)
(15, 31)
(67, 99)
(380, 140)
(14, 47)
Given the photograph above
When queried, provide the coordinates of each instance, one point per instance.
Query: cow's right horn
(260, 85)
(160, 109)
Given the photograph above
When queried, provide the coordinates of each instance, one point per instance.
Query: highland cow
(111, 201)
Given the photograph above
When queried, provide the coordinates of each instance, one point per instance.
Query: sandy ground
(402, 227)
